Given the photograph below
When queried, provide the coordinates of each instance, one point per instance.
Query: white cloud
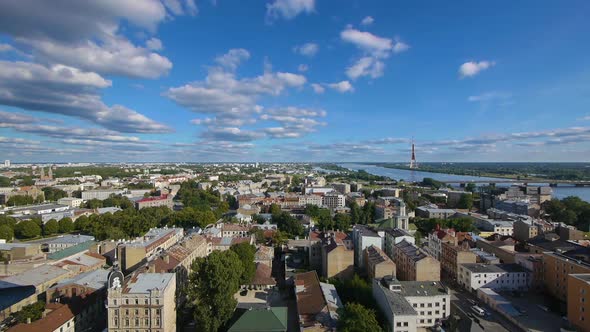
(178, 7)
(231, 134)
(366, 66)
(115, 56)
(232, 101)
(585, 118)
(63, 21)
(302, 68)
(317, 88)
(5, 47)
(367, 41)
(399, 47)
(490, 96)
(367, 20)
(233, 58)
(69, 91)
(154, 44)
(472, 68)
(288, 9)
(342, 87)
(307, 49)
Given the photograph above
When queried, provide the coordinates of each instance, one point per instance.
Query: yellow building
(578, 301)
(414, 264)
(556, 268)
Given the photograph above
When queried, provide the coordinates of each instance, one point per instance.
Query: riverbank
(458, 170)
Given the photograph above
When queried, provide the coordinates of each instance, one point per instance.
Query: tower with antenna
(413, 163)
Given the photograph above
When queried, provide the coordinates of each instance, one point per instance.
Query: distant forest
(531, 171)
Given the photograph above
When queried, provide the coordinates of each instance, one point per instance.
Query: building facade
(414, 264)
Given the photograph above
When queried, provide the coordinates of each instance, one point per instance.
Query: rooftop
(493, 268)
(411, 250)
(396, 301)
(96, 279)
(70, 239)
(144, 282)
(272, 319)
(35, 276)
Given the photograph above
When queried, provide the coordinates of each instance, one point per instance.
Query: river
(560, 191)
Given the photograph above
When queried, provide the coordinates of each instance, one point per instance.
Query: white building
(334, 200)
(72, 202)
(6, 163)
(412, 305)
(362, 238)
(310, 200)
(100, 194)
(498, 277)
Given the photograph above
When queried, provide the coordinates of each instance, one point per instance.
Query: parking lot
(533, 316)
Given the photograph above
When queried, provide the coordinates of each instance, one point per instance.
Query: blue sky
(294, 80)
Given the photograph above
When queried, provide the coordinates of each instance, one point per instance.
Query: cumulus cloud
(307, 49)
(367, 41)
(6, 47)
(472, 68)
(232, 134)
(69, 91)
(342, 86)
(233, 58)
(375, 49)
(232, 102)
(367, 20)
(318, 88)
(154, 44)
(289, 9)
(116, 56)
(366, 66)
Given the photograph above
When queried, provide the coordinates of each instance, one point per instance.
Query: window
(136, 312)
(114, 302)
(157, 311)
(136, 321)
(146, 312)
(406, 323)
(126, 321)
(136, 301)
(126, 301)
(398, 324)
(147, 322)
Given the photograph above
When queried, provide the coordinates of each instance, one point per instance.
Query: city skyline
(293, 80)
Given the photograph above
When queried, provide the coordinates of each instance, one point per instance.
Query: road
(461, 305)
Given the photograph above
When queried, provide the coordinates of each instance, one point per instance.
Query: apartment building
(164, 200)
(414, 264)
(432, 211)
(378, 264)
(100, 194)
(337, 256)
(133, 254)
(411, 305)
(332, 200)
(72, 202)
(452, 256)
(144, 303)
(497, 277)
(556, 269)
(343, 188)
(578, 301)
(364, 237)
(394, 236)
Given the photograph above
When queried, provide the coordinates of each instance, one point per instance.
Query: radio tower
(413, 163)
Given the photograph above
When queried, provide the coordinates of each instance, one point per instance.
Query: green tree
(53, 194)
(288, 224)
(245, 252)
(465, 201)
(342, 221)
(274, 209)
(27, 229)
(213, 282)
(50, 227)
(471, 187)
(27, 181)
(4, 181)
(6, 232)
(19, 200)
(356, 318)
(33, 311)
(66, 225)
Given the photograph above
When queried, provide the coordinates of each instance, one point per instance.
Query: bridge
(552, 183)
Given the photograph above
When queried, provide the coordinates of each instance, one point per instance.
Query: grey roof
(148, 281)
(70, 239)
(396, 302)
(493, 268)
(397, 232)
(422, 288)
(365, 231)
(111, 209)
(35, 276)
(40, 207)
(411, 250)
(9, 246)
(96, 279)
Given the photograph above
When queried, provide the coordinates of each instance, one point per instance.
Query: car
(244, 292)
(472, 301)
(542, 307)
(478, 311)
